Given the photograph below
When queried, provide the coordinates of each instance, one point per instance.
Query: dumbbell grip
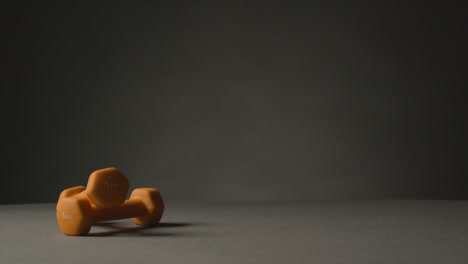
(129, 209)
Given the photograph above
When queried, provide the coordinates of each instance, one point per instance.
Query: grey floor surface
(388, 231)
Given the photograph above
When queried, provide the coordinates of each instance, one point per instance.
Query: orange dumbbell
(76, 215)
(107, 188)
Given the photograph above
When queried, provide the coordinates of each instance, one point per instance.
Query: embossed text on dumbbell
(66, 216)
(111, 185)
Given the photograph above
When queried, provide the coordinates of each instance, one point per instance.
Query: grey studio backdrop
(236, 100)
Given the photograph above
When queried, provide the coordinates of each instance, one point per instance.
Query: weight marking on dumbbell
(66, 216)
(111, 185)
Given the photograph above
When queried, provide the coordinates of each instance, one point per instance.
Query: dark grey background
(236, 100)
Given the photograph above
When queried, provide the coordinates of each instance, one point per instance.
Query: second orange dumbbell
(107, 188)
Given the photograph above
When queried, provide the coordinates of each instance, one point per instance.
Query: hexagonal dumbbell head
(107, 188)
(72, 191)
(74, 212)
(154, 204)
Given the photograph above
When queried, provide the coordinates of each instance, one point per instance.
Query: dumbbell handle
(129, 209)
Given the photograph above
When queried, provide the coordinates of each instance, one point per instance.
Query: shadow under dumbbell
(140, 231)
